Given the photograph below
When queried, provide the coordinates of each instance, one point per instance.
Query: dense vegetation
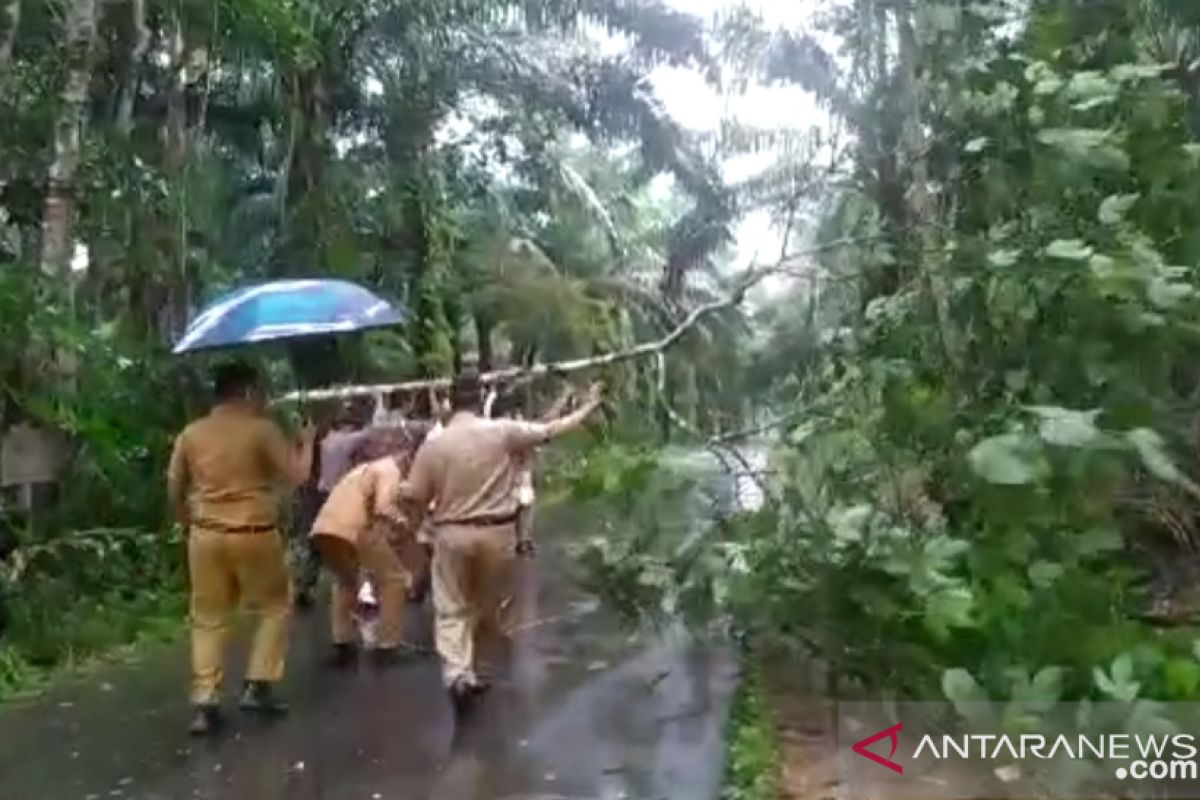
(485, 163)
(987, 379)
(979, 393)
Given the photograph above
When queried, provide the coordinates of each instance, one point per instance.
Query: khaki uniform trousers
(228, 570)
(391, 577)
(472, 575)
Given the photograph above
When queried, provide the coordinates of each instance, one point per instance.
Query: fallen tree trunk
(560, 368)
(535, 370)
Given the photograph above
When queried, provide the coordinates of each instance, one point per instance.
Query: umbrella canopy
(287, 310)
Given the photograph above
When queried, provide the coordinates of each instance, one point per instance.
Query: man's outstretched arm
(527, 435)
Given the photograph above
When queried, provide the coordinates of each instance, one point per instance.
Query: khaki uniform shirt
(230, 463)
(369, 492)
(472, 470)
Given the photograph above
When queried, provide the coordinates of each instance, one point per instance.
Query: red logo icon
(886, 733)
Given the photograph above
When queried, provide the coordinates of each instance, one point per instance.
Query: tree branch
(748, 280)
(724, 453)
(750, 433)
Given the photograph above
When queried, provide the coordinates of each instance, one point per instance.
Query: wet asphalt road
(583, 711)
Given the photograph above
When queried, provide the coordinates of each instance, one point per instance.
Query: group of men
(453, 505)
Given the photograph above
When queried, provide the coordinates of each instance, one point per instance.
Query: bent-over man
(222, 484)
(364, 508)
(470, 474)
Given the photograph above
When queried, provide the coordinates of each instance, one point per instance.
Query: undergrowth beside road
(752, 759)
(89, 634)
(72, 597)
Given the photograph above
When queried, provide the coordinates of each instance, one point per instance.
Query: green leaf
(1044, 79)
(1099, 540)
(1003, 258)
(850, 523)
(1043, 574)
(1103, 267)
(1046, 687)
(1103, 682)
(1115, 207)
(1069, 249)
(961, 688)
(1136, 72)
(1008, 460)
(976, 145)
(1122, 668)
(1087, 146)
(1166, 294)
(1065, 427)
(1087, 90)
(950, 607)
(1152, 450)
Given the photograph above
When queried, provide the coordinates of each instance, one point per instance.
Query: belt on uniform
(487, 521)
(221, 527)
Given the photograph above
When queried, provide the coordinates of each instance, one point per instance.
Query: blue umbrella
(287, 310)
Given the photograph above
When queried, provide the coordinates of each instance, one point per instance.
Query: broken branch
(751, 278)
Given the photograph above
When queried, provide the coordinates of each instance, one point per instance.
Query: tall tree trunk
(79, 33)
(410, 136)
(304, 208)
(8, 33)
(484, 326)
(173, 238)
(922, 208)
(137, 54)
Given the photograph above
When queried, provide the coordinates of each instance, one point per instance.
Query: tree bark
(8, 36)
(79, 33)
(174, 227)
(304, 209)
(922, 206)
(483, 338)
(137, 54)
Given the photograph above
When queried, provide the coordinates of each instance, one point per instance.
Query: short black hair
(233, 379)
(466, 393)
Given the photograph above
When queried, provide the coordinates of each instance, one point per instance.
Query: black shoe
(461, 694)
(206, 721)
(259, 698)
(344, 655)
(480, 686)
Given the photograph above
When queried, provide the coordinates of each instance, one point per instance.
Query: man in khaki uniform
(364, 509)
(222, 484)
(470, 474)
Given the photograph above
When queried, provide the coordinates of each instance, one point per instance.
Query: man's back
(233, 460)
(470, 471)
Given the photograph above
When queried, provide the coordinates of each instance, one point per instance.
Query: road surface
(585, 710)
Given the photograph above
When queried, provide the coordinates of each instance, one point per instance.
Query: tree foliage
(992, 360)
(484, 163)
